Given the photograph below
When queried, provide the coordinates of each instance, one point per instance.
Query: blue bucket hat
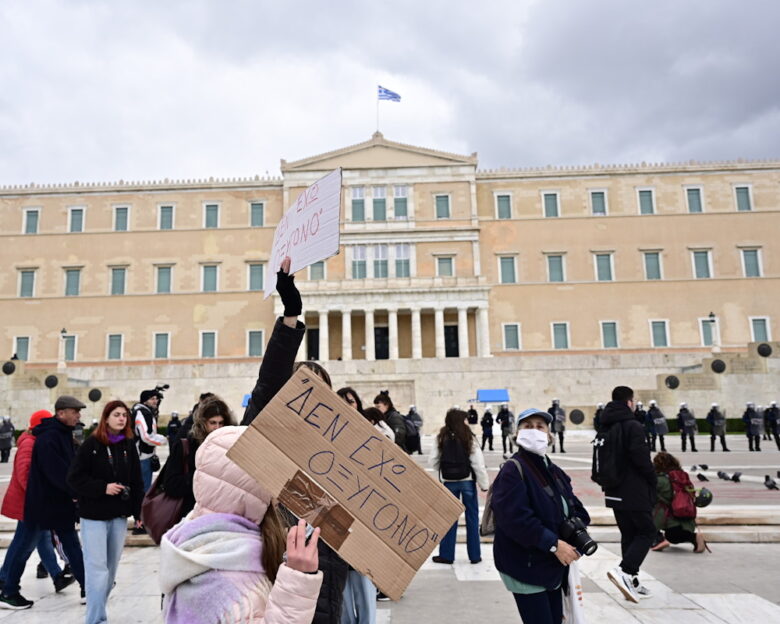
(534, 412)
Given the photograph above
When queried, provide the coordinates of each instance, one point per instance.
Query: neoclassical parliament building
(444, 268)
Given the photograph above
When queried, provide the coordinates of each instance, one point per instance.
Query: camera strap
(111, 460)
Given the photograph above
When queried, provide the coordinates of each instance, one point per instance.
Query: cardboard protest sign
(309, 231)
(327, 464)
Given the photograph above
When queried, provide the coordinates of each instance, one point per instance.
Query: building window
(164, 274)
(256, 214)
(708, 329)
(380, 261)
(759, 329)
(660, 333)
(317, 271)
(560, 332)
(358, 204)
(550, 201)
(359, 262)
(402, 260)
(442, 206)
(22, 348)
(598, 203)
(118, 279)
(75, 220)
(744, 201)
(69, 348)
(503, 206)
(400, 202)
(511, 336)
(211, 216)
(507, 269)
(254, 342)
(31, 216)
(256, 276)
(751, 262)
(555, 269)
(445, 266)
(646, 201)
(652, 265)
(604, 267)
(693, 195)
(121, 218)
(702, 268)
(166, 218)
(208, 344)
(72, 282)
(210, 278)
(114, 347)
(162, 346)
(609, 335)
(379, 194)
(27, 283)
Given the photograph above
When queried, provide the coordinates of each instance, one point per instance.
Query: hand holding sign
(300, 555)
(309, 231)
(285, 285)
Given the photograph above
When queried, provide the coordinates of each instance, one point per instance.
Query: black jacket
(276, 367)
(177, 481)
(92, 470)
(396, 422)
(49, 501)
(637, 489)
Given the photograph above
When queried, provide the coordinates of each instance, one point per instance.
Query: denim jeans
(29, 535)
(467, 490)
(544, 607)
(103, 543)
(45, 552)
(359, 605)
(146, 473)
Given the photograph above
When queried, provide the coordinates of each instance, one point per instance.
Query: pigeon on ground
(778, 474)
(701, 477)
(723, 475)
(770, 483)
(704, 466)
(735, 477)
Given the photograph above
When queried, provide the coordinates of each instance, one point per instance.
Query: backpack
(488, 524)
(683, 495)
(454, 464)
(607, 456)
(411, 428)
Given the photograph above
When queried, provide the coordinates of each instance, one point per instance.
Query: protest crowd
(230, 551)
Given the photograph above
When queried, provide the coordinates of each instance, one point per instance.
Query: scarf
(115, 438)
(209, 567)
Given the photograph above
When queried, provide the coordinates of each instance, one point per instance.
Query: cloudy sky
(144, 89)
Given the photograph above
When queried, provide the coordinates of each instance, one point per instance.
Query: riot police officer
(688, 428)
(558, 422)
(753, 426)
(659, 423)
(717, 421)
(772, 416)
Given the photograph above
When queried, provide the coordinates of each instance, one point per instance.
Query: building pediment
(378, 153)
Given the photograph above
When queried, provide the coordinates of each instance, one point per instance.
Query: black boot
(750, 443)
(712, 444)
(40, 571)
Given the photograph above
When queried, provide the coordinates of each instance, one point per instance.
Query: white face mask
(533, 440)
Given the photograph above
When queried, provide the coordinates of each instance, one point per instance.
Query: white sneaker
(624, 582)
(643, 591)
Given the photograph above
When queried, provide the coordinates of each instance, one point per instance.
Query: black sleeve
(637, 451)
(136, 481)
(276, 367)
(178, 482)
(80, 477)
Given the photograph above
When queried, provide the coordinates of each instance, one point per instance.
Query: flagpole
(377, 114)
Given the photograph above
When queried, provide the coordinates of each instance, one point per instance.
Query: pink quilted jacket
(220, 486)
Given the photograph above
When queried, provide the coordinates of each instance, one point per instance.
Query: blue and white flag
(386, 94)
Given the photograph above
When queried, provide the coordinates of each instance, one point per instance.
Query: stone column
(346, 335)
(302, 354)
(438, 318)
(324, 339)
(392, 333)
(483, 332)
(463, 332)
(416, 334)
(370, 351)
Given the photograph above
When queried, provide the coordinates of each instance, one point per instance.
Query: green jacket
(662, 513)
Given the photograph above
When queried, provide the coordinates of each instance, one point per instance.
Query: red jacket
(13, 503)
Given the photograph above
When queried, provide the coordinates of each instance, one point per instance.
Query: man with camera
(627, 476)
(145, 419)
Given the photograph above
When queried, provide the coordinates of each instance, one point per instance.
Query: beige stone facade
(438, 260)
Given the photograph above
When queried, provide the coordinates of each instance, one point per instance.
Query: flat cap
(65, 402)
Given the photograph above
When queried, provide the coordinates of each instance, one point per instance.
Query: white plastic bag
(573, 608)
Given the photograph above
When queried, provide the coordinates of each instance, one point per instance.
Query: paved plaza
(738, 582)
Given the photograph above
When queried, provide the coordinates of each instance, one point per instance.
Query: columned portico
(392, 331)
(370, 350)
(463, 332)
(438, 319)
(346, 335)
(416, 334)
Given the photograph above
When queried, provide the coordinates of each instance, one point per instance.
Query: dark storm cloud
(106, 90)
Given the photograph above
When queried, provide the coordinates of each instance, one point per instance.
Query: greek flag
(386, 94)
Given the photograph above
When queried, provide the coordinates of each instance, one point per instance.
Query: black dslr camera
(125, 493)
(574, 532)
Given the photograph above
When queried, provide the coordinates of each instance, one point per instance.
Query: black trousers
(661, 442)
(506, 437)
(678, 535)
(722, 442)
(541, 608)
(487, 437)
(754, 441)
(775, 435)
(560, 438)
(685, 437)
(413, 444)
(637, 534)
(4, 455)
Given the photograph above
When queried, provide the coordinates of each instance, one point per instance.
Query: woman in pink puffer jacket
(223, 562)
